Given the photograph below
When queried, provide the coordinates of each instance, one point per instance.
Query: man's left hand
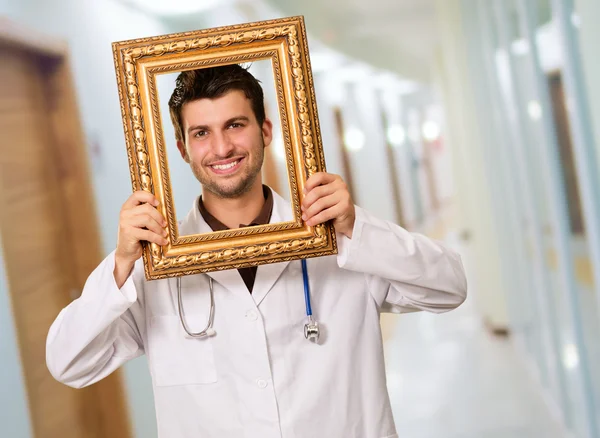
(327, 197)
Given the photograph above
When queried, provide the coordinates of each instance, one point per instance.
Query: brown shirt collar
(263, 217)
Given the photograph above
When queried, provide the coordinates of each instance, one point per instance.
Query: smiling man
(222, 131)
(256, 376)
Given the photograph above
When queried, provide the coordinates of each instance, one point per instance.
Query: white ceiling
(396, 35)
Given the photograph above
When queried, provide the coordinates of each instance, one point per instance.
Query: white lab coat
(259, 377)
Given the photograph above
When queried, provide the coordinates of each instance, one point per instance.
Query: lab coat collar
(266, 275)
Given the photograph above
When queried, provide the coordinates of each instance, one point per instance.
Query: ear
(267, 132)
(183, 151)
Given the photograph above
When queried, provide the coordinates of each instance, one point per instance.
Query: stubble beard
(227, 189)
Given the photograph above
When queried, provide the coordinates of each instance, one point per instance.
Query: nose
(222, 145)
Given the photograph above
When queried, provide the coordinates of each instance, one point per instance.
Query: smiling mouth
(226, 168)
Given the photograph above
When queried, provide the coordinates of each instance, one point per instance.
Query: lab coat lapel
(194, 223)
(267, 275)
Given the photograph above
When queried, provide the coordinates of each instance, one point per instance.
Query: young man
(258, 377)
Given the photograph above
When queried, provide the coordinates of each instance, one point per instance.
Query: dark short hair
(212, 83)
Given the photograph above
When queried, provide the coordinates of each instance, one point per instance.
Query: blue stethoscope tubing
(311, 328)
(306, 288)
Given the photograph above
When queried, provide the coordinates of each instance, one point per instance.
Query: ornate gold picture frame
(139, 62)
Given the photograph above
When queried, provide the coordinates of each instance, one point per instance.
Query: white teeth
(225, 166)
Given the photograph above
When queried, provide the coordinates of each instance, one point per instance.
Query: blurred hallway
(449, 377)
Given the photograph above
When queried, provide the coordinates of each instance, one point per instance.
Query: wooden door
(567, 159)
(50, 236)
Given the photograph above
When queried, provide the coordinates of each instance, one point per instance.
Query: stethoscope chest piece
(311, 330)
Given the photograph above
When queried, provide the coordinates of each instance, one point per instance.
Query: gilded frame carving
(137, 62)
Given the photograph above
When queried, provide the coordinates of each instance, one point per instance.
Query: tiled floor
(448, 378)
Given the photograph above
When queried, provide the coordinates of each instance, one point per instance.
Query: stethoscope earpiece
(211, 332)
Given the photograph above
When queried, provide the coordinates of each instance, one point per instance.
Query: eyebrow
(227, 122)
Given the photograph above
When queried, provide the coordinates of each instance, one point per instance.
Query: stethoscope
(311, 328)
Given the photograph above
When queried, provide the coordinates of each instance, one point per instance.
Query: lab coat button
(261, 383)
(251, 315)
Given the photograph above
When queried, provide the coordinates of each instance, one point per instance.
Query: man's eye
(200, 134)
(235, 125)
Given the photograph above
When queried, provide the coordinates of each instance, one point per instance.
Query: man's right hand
(139, 221)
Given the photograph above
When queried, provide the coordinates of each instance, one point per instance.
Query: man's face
(224, 143)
